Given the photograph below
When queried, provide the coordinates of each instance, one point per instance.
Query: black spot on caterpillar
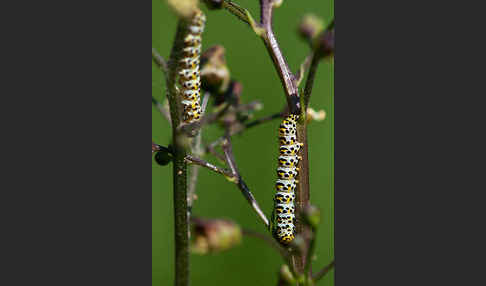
(287, 170)
(189, 69)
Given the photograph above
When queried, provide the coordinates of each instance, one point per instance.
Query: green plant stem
(310, 253)
(310, 79)
(180, 217)
(181, 220)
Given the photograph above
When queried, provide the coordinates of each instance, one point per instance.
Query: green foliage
(252, 262)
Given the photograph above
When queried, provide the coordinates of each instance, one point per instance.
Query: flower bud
(184, 8)
(310, 26)
(299, 243)
(214, 235)
(215, 75)
(325, 43)
(312, 216)
(315, 115)
(232, 95)
(286, 275)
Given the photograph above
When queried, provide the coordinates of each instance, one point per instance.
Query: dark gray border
(407, 125)
(79, 188)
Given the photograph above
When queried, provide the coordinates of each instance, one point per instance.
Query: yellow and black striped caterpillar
(189, 69)
(287, 170)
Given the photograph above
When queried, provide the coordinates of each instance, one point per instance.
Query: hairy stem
(181, 220)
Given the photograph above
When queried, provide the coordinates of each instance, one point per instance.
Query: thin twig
(270, 241)
(304, 66)
(310, 252)
(203, 163)
(191, 188)
(191, 129)
(245, 191)
(194, 173)
(156, 148)
(210, 147)
(196, 149)
(323, 272)
(263, 120)
(233, 176)
(160, 107)
(265, 32)
(236, 10)
(228, 153)
(211, 150)
(310, 80)
(325, 48)
(205, 101)
(160, 61)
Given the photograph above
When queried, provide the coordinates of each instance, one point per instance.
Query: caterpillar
(287, 170)
(189, 69)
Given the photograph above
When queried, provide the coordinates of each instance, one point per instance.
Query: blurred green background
(252, 262)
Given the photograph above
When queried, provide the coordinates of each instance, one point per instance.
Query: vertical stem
(181, 221)
(181, 226)
(302, 195)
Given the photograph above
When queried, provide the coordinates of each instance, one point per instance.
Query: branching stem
(202, 163)
(245, 191)
(285, 74)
